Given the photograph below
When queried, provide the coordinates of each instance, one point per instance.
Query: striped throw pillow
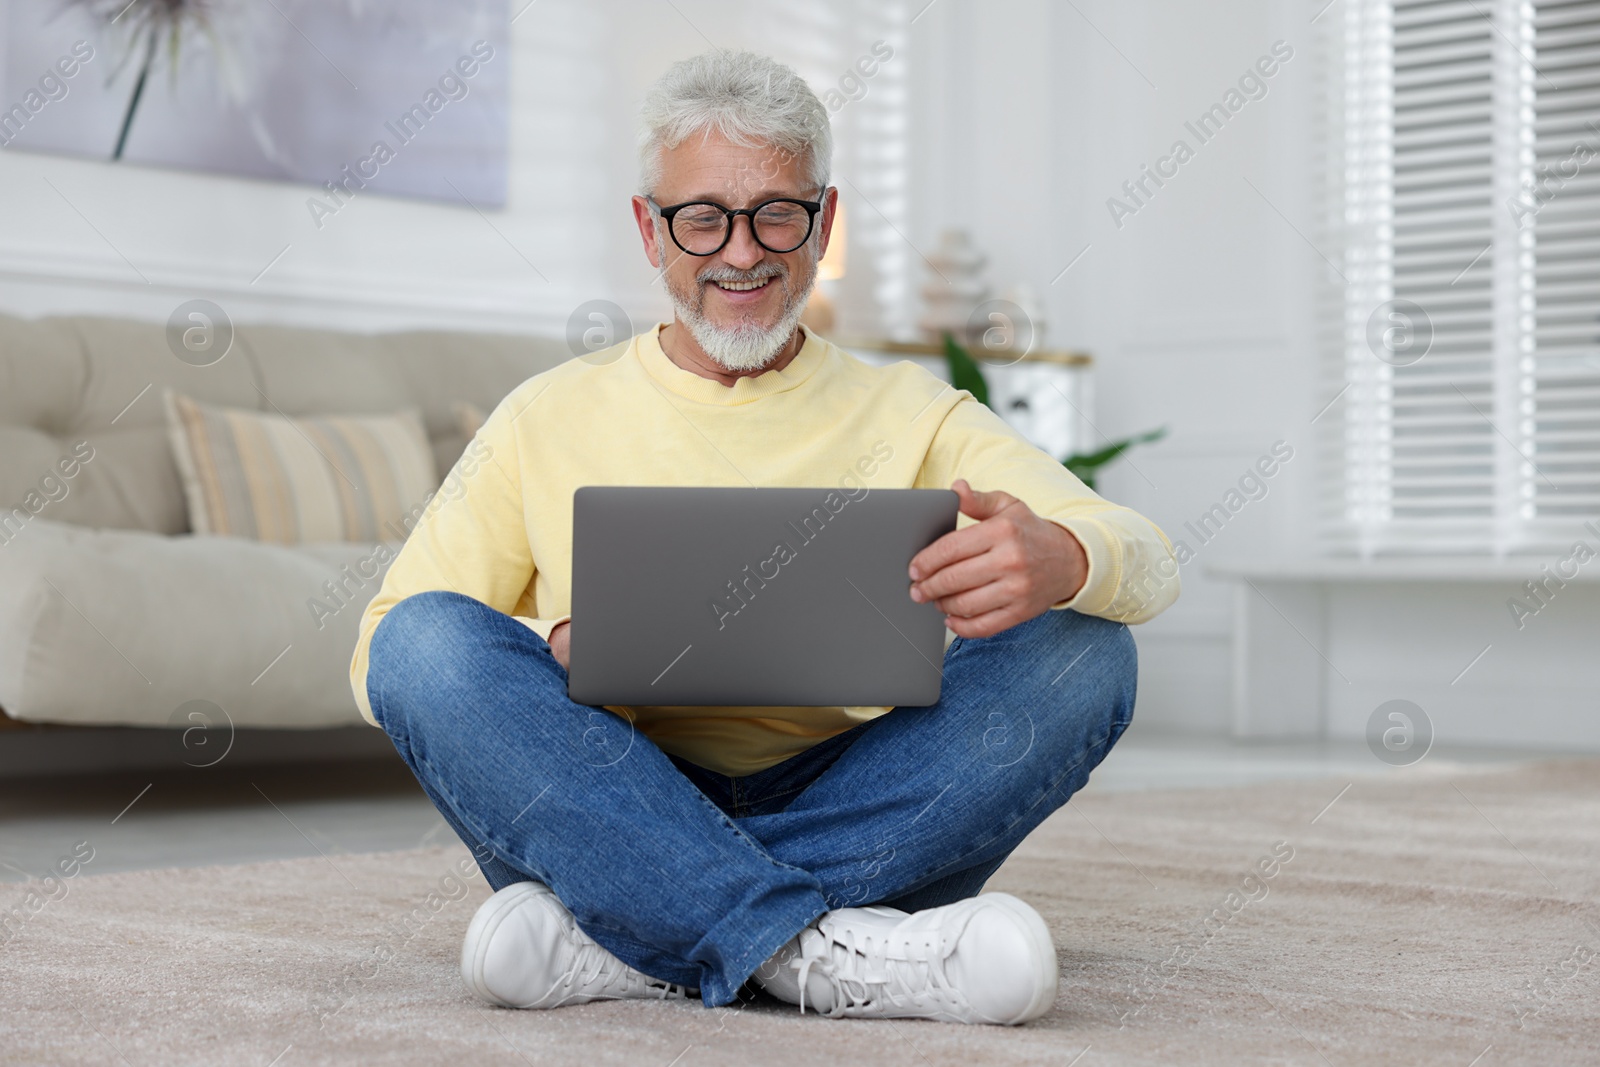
(292, 480)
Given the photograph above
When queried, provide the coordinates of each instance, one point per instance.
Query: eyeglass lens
(779, 227)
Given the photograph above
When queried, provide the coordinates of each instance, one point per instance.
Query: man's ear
(647, 230)
(830, 204)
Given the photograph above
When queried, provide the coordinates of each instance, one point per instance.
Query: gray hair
(748, 98)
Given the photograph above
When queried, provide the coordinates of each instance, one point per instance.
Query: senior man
(832, 856)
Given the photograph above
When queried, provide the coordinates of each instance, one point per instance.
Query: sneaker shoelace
(593, 964)
(863, 973)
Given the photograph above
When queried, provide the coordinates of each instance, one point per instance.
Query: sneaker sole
(1047, 972)
(475, 946)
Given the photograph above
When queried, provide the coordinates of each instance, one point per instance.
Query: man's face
(741, 303)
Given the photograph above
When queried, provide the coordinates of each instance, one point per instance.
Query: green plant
(964, 370)
(966, 373)
(1086, 464)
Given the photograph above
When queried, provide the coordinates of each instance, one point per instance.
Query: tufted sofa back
(99, 380)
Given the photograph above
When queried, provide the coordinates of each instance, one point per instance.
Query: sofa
(112, 612)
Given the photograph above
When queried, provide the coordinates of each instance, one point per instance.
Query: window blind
(1462, 334)
(1564, 420)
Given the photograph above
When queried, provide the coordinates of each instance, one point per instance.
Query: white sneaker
(524, 949)
(984, 960)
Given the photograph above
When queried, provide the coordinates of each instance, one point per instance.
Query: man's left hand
(1006, 568)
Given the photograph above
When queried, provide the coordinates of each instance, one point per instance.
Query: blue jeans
(697, 878)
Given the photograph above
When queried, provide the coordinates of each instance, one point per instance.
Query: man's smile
(743, 293)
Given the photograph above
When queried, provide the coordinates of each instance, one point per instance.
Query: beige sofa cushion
(269, 477)
(124, 627)
(66, 381)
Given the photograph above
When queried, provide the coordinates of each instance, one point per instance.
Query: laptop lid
(754, 597)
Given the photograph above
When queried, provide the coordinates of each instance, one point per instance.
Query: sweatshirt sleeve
(471, 539)
(1133, 575)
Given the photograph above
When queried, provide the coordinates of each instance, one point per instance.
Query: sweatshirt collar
(813, 352)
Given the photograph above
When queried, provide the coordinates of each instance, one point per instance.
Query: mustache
(725, 273)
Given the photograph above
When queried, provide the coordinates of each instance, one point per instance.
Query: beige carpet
(1422, 918)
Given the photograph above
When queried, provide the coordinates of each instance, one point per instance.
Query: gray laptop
(758, 597)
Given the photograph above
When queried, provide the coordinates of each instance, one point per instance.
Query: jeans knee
(1060, 684)
(1101, 678)
(416, 638)
(1116, 664)
(1122, 661)
(427, 614)
(1107, 642)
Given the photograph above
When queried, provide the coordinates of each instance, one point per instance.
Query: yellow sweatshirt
(500, 528)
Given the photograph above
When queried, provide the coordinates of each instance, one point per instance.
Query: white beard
(747, 346)
(744, 347)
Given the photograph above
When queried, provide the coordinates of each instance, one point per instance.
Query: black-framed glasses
(703, 228)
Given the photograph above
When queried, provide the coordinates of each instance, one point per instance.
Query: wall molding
(38, 281)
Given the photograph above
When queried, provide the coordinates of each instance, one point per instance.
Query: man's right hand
(560, 642)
